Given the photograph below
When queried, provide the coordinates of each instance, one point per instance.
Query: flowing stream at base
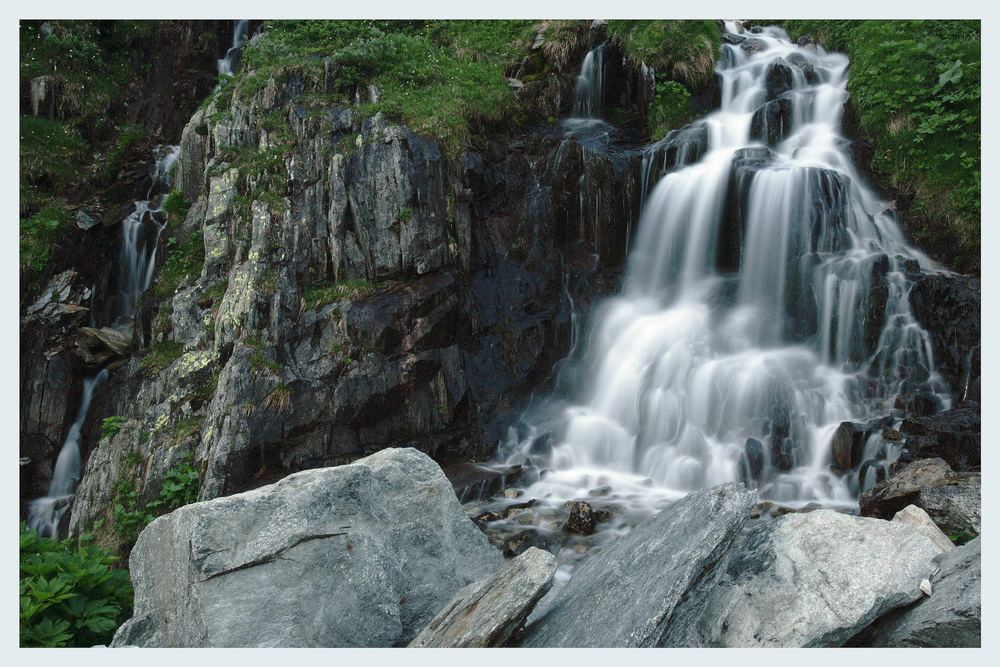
(764, 303)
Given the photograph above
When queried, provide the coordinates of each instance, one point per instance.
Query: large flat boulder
(642, 589)
(357, 555)
(952, 499)
(950, 617)
(814, 579)
(489, 612)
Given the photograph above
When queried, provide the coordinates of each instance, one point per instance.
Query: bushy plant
(38, 235)
(70, 593)
(180, 487)
(110, 426)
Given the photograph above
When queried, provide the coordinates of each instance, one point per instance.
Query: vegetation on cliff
(916, 88)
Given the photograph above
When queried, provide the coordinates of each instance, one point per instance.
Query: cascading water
(587, 99)
(765, 302)
(227, 64)
(44, 514)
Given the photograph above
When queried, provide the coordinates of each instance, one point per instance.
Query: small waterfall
(589, 94)
(228, 64)
(44, 514)
(141, 231)
(765, 301)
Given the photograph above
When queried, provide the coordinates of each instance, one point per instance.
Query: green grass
(125, 138)
(38, 235)
(683, 50)
(184, 259)
(916, 87)
(176, 207)
(320, 295)
(50, 151)
(161, 354)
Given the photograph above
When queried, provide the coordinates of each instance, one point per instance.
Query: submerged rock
(581, 518)
(813, 579)
(950, 616)
(490, 611)
(358, 555)
(642, 589)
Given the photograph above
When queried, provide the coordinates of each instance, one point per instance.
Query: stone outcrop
(358, 555)
(644, 588)
(813, 579)
(490, 611)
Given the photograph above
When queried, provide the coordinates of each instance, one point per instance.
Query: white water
(45, 513)
(690, 361)
(589, 94)
(225, 65)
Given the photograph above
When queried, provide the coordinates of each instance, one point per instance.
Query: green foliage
(50, 150)
(683, 50)
(437, 76)
(962, 537)
(161, 354)
(670, 108)
(184, 260)
(111, 426)
(180, 487)
(916, 87)
(175, 206)
(320, 295)
(38, 235)
(70, 595)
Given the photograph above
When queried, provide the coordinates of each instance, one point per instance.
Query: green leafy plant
(184, 260)
(38, 236)
(175, 206)
(110, 426)
(670, 108)
(180, 487)
(70, 593)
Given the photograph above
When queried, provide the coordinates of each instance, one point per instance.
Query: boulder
(755, 457)
(642, 589)
(952, 499)
(581, 518)
(357, 555)
(919, 519)
(953, 435)
(772, 121)
(489, 612)
(950, 617)
(778, 80)
(813, 579)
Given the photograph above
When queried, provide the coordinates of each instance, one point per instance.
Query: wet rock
(953, 435)
(772, 121)
(778, 80)
(782, 454)
(369, 552)
(474, 481)
(891, 434)
(813, 579)
(44, 90)
(730, 38)
(806, 41)
(581, 518)
(950, 617)
(645, 587)
(755, 457)
(753, 45)
(600, 491)
(489, 612)
(916, 517)
(948, 308)
(522, 541)
(846, 446)
(952, 499)
(85, 220)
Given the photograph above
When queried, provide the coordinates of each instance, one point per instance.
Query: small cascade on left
(44, 514)
(141, 231)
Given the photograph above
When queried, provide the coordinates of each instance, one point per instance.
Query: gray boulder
(642, 588)
(357, 555)
(919, 519)
(952, 499)
(489, 612)
(950, 617)
(814, 579)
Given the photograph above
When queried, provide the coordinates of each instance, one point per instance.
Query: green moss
(38, 235)
(161, 354)
(320, 295)
(916, 87)
(184, 260)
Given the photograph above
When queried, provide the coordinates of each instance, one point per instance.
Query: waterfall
(44, 514)
(764, 302)
(227, 65)
(589, 93)
(141, 231)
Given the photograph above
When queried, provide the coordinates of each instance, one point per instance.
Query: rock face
(953, 435)
(813, 579)
(952, 499)
(950, 617)
(643, 589)
(490, 611)
(919, 519)
(359, 555)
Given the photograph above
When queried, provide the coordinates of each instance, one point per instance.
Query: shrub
(70, 595)
(38, 235)
(180, 487)
(175, 206)
(110, 426)
(670, 108)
